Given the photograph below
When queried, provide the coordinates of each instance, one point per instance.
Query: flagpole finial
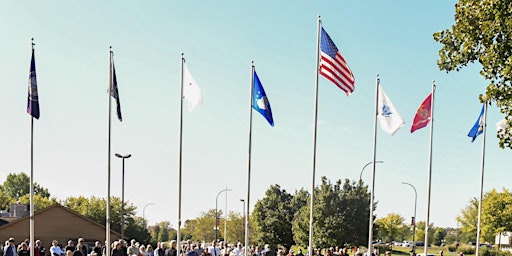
(33, 43)
(252, 63)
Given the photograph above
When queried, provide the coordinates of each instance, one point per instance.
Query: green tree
(202, 228)
(94, 208)
(391, 227)
(235, 228)
(340, 215)
(39, 201)
(439, 236)
(18, 185)
(420, 231)
(468, 221)
(272, 217)
(160, 232)
(482, 33)
(135, 230)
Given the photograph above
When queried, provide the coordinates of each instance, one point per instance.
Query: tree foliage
(202, 228)
(496, 216)
(420, 231)
(162, 232)
(340, 215)
(272, 217)
(482, 33)
(16, 186)
(94, 208)
(392, 227)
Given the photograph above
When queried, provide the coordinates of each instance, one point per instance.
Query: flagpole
(111, 82)
(178, 236)
(246, 233)
(484, 124)
(430, 165)
(372, 195)
(32, 175)
(315, 118)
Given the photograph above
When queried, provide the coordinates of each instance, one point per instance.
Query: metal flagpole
(31, 205)
(111, 83)
(178, 236)
(226, 216)
(246, 233)
(484, 124)
(372, 192)
(429, 164)
(310, 244)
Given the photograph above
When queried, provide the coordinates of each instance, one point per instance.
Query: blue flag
(478, 128)
(115, 93)
(33, 99)
(259, 100)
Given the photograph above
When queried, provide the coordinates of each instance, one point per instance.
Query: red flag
(423, 115)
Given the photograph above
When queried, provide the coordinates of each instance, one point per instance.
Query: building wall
(55, 223)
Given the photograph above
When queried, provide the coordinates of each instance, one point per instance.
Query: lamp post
(361, 174)
(123, 157)
(217, 213)
(144, 214)
(414, 218)
(243, 213)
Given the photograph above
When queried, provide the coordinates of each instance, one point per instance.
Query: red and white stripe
(337, 71)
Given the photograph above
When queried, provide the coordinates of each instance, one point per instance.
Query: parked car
(406, 244)
(396, 243)
(428, 254)
(418, 243)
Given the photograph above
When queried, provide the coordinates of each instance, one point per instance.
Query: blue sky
(219, 39)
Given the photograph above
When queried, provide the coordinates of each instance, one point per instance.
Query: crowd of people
(187, 248)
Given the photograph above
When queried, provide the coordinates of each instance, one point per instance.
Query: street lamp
(217, 212)
(144, 214)
(361, 175)
(243, 212)
(122, 193)
(414, 218)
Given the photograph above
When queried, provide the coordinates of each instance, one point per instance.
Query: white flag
(390, 120)
(191, 91)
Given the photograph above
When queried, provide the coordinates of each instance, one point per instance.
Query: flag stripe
(333, 66)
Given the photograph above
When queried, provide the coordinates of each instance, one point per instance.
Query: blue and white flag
(478, 127)
(390, 119)
(259, 100)
(33, 98)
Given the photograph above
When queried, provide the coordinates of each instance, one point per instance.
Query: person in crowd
(97, 248)
(124, 247)
(192, 251)
(55, 250)
(199, 249)
(268, 251)
(38, 249)
(143, 251)
(160, 249)
(238, 250)
(150, 251)
(299, 253)
(23, 250)
(10, 248)
(70, 246)
(214, 250)
(133, 250)
(81, 246)
(172, 249)
(117, 250)
(69, 253)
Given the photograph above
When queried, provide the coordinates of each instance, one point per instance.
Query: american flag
(333, 66)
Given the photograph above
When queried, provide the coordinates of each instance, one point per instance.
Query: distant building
(504, 241)
(55, 222)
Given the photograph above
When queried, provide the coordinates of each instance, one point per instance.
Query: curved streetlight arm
(144, 213)
(216, 211)
(414, 223)
(361, 174)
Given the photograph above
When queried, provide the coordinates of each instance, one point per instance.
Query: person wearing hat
(10, 248)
